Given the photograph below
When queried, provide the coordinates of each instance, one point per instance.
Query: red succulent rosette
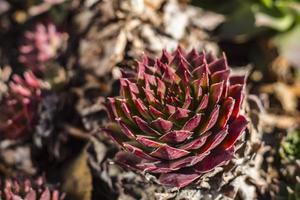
(40, 45)
(178, 117)
(19, 106)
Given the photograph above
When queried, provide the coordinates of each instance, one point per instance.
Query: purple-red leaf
(218, 65)
(144, 126)
(216, 158)
(200, 70)
(192, 55)
(161, 88)
(125, 129)
(139, 104)
(236, 128)
(150, 96)
(237, 80)
(162, 124)
(165, 57)
(237, 93)
(170, 109)
(176, 136)
(197, 88)
(180, 113)
(196, 143)
(188, 99)
(214, 140)
(203, 103)
(211, 120)
(220, 76)
(179, 163)
(192, 123)
(216, 90)
(138, 152)
(169, 153)
(225, 112)
(148, 141)
(199, 60)
(150, 79)
(126, 110)
(183, 71)
(178, 179)
(154, 112)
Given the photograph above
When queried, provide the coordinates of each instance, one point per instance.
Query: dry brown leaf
(139, 26)
(286, 94)
(78, 179)
(280, 121)
(17, 156)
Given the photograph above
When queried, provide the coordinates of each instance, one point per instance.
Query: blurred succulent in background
(280, 15)
(290, 169)
(290, 146)
(294, 190)
(19, 106)
(178, 116)
(23, 188)
(40, 46)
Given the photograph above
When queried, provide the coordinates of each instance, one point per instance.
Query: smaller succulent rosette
(19, 106)
(290, 146)
(290, 165)
(178, 117)
(41, 45)
(21, 188)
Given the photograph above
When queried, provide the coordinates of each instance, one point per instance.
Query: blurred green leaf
(247, 18)
(267, 3)
(278, 23)
(291, 145)
(241, 24)
(215, 5)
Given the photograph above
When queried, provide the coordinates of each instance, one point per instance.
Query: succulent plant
(178, 117)
(19, 105)
(290, 165)
(22, 188)
(40, 46)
